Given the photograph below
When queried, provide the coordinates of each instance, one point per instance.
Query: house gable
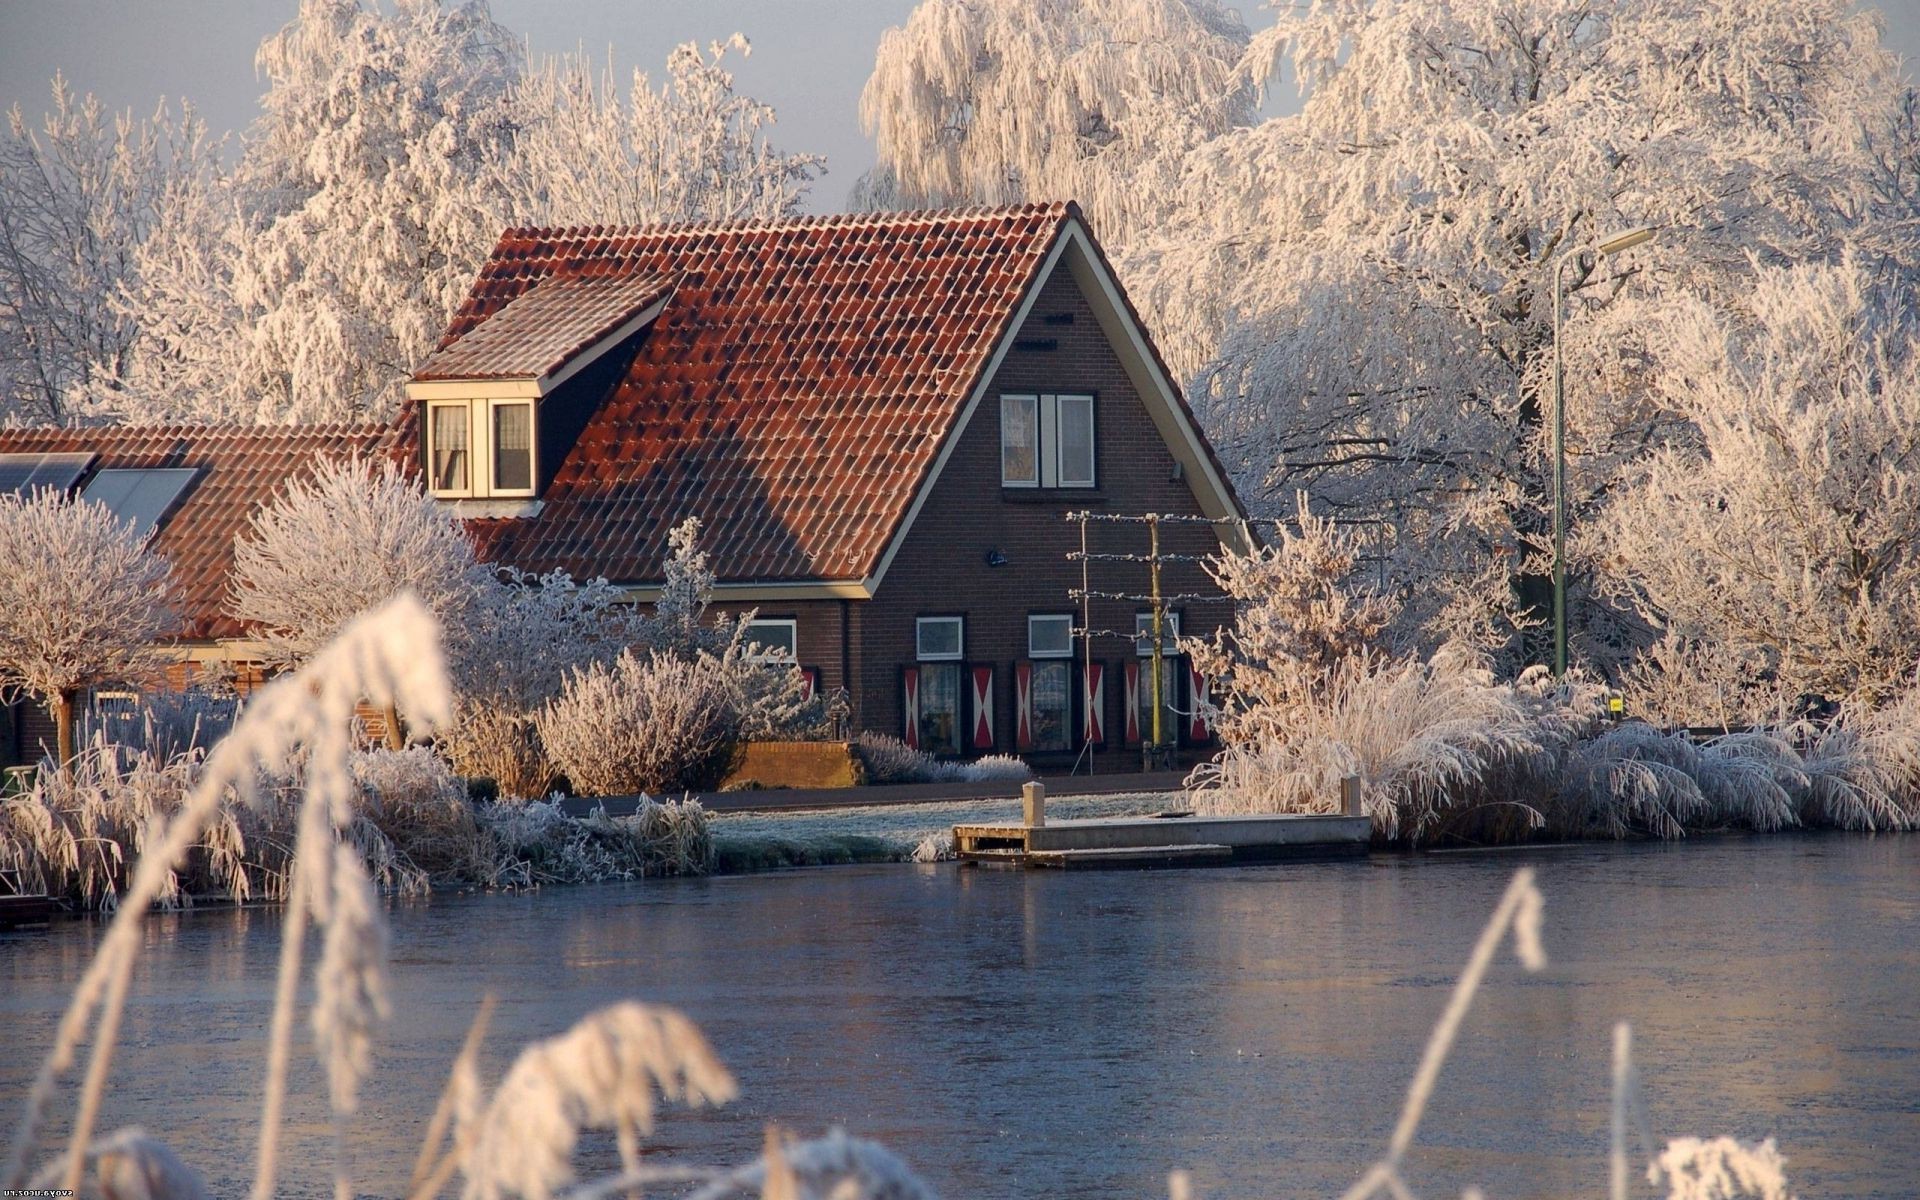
(1101, 292)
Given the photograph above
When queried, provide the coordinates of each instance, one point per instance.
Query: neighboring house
(881, 421)
(191, 490)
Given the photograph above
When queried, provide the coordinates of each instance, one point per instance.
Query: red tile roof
(544, 328)
(241, 470)
(793, 395)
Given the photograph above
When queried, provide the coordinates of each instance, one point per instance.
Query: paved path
(802, 799)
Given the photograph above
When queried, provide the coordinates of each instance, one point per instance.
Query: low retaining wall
(797, 765)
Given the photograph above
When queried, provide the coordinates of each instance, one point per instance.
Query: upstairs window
(481, 448)
(447, 450)
(1047, 441)
(512, 447)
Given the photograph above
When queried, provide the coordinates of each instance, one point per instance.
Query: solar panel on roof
(139, 495)
(22, 474)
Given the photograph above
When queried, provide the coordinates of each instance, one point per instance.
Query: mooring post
(1350, 797)
(1033, 804)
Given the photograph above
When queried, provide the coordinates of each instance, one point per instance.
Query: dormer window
(447, 449)
(480, 448)
(512, 447)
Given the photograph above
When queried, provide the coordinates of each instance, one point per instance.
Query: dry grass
(75, 834)
(1440, 747)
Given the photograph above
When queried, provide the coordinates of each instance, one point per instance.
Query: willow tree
(1369, 282)
(82, 601)
(996, 101)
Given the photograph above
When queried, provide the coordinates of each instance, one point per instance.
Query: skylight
(140, 495)
(24, 474)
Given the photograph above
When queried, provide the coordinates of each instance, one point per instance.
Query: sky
(809, 61)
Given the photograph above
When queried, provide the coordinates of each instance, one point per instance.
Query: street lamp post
(1625, 240)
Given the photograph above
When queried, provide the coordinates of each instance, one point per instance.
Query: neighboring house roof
(797, 392)
(237, 471)
(541, 332)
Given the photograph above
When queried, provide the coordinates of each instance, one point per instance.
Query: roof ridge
(889, 218)
(204, 429)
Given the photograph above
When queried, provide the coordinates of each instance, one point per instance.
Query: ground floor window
(1052, 701)
(940, 720)
(1142, 699)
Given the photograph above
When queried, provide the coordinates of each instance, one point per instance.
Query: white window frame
(1034, 618)
(1049, 444)
(958, 654)
(1093, 444)
(474, 456)
(1143, 635)
(1038, 455)
(762, 655)
(533, 448)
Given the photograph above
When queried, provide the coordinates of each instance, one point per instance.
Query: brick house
(881, 421)
(195, 489)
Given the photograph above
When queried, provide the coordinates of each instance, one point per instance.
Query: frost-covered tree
(79, 193)
(993, 101)
(355, 534)
(354, 221)
(394, 147)
(692, 149)
(82, 601)
(1788, 527)
(1381, 263)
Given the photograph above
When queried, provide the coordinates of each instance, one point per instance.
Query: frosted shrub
(412, 798)
(1677, 682)
(1636, 780)
(887, 759)
(1309, 696)
(540, 844)
(649, 723)
(890, 760)
(996, 768)
(1436, 745)
(526, 632)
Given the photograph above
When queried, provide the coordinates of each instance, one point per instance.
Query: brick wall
(942, 568)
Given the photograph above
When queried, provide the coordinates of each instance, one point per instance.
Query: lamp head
(1626, 239)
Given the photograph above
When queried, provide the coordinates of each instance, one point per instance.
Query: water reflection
(1077, 1035)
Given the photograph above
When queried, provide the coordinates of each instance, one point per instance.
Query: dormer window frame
(430, 428)
(481, 420)
(493, 406)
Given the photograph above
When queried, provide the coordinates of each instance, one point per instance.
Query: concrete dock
(1169, 839)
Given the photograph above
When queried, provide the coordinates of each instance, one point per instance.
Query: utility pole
(1155, 752)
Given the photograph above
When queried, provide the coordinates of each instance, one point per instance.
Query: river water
(1077, 1035)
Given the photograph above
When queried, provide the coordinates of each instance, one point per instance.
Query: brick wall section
(941, 569)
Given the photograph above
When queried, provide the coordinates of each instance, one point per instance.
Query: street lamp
(1624, 240)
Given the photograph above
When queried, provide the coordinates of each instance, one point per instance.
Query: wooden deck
(1170, 840)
